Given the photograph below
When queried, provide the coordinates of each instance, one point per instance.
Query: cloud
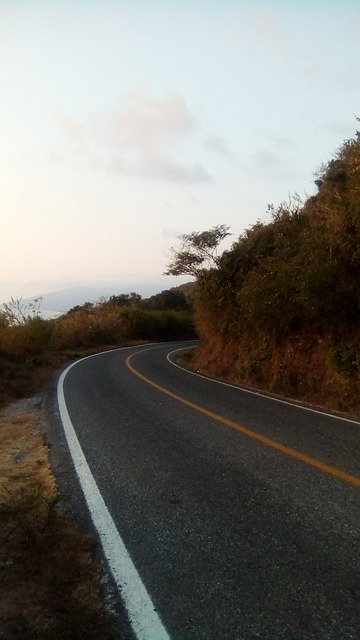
(218, 145)
(279, 141)
(142, 137)
(281, 45)
(267, 163)
(71, 128)
(145, 136)
(161, 168)
(274, 37)
(318, 71)
(144, 123)
(260, 33)
(265, 160)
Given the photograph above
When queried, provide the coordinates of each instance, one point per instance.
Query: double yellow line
(293, 453)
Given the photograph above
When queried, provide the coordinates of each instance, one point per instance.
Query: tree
(124, 299)
(170, 299)
(87, 306)
(198, 252)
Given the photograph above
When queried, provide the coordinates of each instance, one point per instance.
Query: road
(240, 513)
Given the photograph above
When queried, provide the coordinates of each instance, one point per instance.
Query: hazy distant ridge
(55, 302)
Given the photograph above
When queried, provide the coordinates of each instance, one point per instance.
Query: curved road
(239, 512)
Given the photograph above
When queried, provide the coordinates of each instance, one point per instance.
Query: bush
(31, 338)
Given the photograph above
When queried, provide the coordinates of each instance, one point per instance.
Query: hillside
(280, 310)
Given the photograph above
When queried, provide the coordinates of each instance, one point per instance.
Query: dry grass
(23, 453)
(295, 370)
(50, 580)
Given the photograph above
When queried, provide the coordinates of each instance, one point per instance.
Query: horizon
(127, 124)
(95, 288)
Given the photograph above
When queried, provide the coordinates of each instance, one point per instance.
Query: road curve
(232, 537)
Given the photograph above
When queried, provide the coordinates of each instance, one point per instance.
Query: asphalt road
(232, 538)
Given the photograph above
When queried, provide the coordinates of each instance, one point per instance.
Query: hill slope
(282, 308)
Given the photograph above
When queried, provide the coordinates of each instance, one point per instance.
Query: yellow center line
(290, 451)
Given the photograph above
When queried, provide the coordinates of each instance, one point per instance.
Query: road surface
(240, 513)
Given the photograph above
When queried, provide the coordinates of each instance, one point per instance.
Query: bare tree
(19, 311)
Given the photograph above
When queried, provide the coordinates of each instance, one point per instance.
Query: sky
(127, 123)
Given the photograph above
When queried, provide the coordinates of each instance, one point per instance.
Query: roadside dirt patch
(50, 579)
(23, 454)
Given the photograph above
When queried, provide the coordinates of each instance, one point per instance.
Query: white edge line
(257, 393)
(144, 620)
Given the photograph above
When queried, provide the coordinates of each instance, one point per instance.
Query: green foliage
(124, 299)
(144, 324)
(81, 307)
(170, 299)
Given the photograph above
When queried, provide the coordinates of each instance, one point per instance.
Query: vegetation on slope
(280, 309)
(30, 346)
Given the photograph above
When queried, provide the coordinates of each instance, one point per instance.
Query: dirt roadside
(51, 580)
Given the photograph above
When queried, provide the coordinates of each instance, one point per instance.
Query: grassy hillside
(281, 309)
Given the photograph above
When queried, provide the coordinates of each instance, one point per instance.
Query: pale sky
(125, 123)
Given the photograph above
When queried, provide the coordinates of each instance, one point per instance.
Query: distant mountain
(56, 302)
(62, 300)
